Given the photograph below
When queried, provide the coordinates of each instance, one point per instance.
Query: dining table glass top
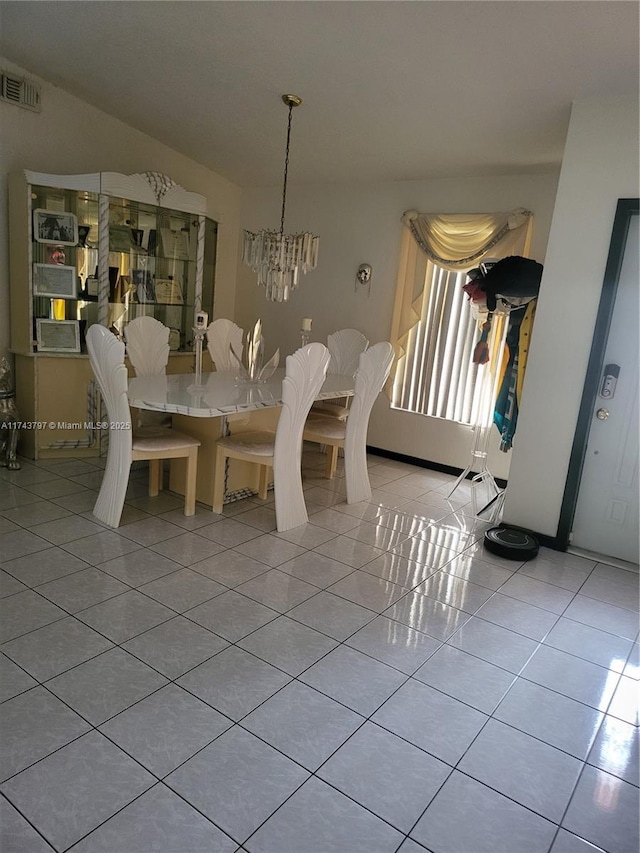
(219, 393)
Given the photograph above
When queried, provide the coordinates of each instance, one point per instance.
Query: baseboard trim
(426, 463)
(552, 542)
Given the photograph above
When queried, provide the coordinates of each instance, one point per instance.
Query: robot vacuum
(514, 543)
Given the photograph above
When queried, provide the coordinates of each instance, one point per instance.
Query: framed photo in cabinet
(55, 226)
(169, 291)
(58, 335)
(55, 280)
(175, 244)
(143, 283)
(120, 239)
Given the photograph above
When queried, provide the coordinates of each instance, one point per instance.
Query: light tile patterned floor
(372, 682)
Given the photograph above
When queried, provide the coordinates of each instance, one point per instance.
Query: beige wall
(600, 166)
(69, 136)
(361, 223)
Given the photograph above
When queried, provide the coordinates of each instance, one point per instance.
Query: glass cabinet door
(64, 255)
(153, 264)
(154, 257)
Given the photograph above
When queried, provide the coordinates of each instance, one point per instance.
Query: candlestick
(198, 337)
(304, 337)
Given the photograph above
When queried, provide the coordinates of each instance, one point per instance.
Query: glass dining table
(220, 404)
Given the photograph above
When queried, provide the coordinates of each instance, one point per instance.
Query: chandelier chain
(286, 170)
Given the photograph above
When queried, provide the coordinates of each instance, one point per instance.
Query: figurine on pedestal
(253, 370)
(9, 419)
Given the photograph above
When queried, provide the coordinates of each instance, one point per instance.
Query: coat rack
(484, 480)
(478, 460)
(496, 287)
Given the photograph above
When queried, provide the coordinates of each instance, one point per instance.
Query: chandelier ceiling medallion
(280, 258)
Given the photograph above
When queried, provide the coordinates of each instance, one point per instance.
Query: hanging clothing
(516, 351)
(514, 276)
(481, 352)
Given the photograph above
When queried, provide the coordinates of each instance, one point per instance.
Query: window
(435, 327)
(437, 376)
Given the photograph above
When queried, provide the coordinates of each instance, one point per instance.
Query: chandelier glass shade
(280, 259)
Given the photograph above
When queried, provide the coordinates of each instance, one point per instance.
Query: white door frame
(626, 209)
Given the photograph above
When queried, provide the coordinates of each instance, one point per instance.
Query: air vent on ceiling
(19, 91)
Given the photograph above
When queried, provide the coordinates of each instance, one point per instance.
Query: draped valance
(456, 241)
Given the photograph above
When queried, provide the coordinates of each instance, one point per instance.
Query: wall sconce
(363, 276)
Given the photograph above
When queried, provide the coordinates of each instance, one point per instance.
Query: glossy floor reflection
(374, 681)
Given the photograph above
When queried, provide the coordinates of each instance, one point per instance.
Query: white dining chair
(374, 367)
(147, 346)
(281, 451)
(345, 346)
(106, 356)
(223, 334)
(147, 341)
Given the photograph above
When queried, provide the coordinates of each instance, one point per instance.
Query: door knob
(602, 414)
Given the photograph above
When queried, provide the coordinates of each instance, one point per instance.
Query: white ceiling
(392, 90)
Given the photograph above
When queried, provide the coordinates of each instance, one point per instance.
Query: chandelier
(280, 258)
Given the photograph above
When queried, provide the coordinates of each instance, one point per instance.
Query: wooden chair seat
(330, 410)
(249, 443)
(331, 433)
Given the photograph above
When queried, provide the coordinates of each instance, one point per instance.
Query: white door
(606, 517)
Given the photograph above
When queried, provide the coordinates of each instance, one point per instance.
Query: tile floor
(372, 682)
